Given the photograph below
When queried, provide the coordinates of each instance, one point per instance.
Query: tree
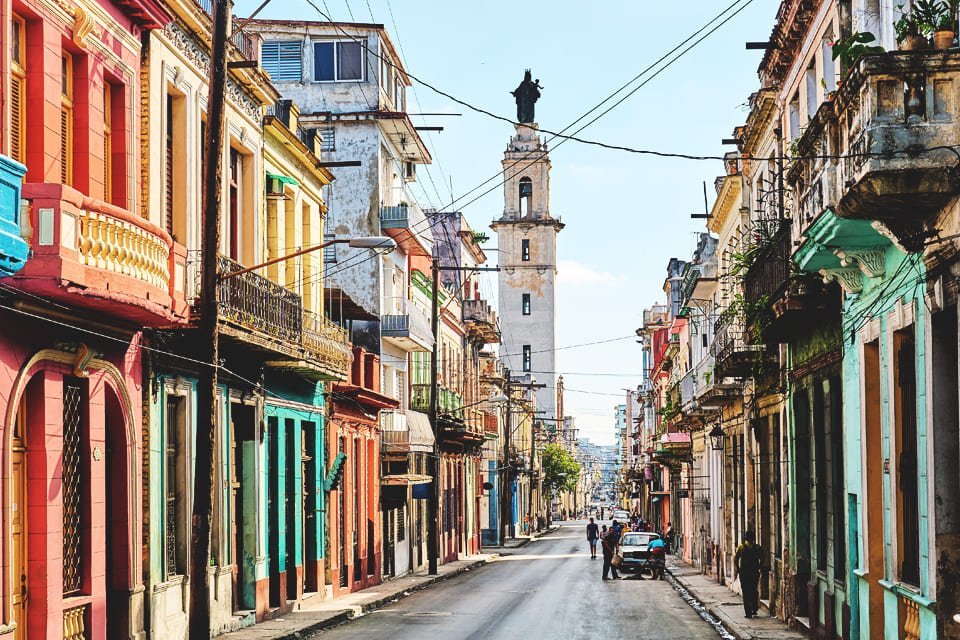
(560, 470)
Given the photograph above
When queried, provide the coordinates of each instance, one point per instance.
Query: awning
(404, 479)
(282, 179)
(421, 433)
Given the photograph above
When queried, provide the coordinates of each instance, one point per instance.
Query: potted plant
(945, 28)
(855, 46)
(908, 33)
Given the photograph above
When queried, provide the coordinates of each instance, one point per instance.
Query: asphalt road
(548, 589)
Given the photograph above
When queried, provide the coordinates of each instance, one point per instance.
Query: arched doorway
(71, 436)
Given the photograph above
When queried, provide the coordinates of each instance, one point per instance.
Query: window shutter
(66, 145)
(168, 178)
(283, 60)
(17, 91)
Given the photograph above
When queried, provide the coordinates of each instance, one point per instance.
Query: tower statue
(526, 95)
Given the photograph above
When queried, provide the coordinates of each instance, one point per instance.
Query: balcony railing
(408, 326)
(259, 304)
(121, 262)
(395, 217)
(769, 275)
(448, 402)
(892, 126)
(734, 355)
(481, 319)
(327, 341)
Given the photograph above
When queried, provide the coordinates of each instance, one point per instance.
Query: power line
(541, 155)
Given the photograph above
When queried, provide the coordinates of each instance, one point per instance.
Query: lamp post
(365, 242)
(716, 437)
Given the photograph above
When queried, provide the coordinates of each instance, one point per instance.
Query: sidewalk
(323, 614)
(727, 606)
(523, 540)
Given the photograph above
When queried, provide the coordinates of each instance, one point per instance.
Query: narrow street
(548, 589)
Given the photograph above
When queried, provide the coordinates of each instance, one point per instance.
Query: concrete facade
(527, 242)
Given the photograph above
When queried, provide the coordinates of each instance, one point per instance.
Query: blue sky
(626, 215)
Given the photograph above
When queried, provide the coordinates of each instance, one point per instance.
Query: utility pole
(209, 330)
(506, 485)
(433, 504)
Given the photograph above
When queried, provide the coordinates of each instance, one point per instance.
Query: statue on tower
(526, 95)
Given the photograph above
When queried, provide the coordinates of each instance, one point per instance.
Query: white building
(527, 244)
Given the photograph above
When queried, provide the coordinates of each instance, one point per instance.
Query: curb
(731, 625)
(342, 617)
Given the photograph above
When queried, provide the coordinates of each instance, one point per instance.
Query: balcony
(785, 301)
(893, 125)
(407, 326)
(93, 255)
(397, 222)
(256, 311)
(13, 248)
(405, 432)
(455, 430)
(481, 321)
(733, 352)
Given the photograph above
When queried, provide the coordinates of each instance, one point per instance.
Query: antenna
(706, 207)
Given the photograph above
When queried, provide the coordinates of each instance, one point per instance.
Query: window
(168, 170)
(908, 496)
(234, 206)
(526, 304)
(527, 356)
(525, 250)
(336, 60)
(107, 142)
(66, 119)
(18, 91)
(176, 456)
(282, 60)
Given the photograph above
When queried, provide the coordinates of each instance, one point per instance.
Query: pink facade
(71, 430)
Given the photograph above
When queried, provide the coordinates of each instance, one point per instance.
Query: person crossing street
(593, 534)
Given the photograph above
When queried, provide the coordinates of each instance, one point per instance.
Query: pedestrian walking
(669, 537)
(593, 534)
(609, 540)
(746, 563)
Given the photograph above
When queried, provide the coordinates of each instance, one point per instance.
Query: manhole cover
(428, 614)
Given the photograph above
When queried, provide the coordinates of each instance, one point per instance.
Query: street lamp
(716, 438)
(363, 242)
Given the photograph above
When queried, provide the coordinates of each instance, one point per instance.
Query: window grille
(402, 523)
(71, 483)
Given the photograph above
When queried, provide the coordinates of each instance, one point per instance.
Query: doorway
(873, 500)
(243, 503)
(116, 500)
(18, 520)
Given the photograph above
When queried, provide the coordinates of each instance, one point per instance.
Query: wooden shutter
(107, 143)
(66, 120)
(168, 169)
(18, 91)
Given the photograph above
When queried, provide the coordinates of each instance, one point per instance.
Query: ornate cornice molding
(850, 279)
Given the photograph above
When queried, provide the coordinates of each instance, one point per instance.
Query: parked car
(633, 548)
(621, 516)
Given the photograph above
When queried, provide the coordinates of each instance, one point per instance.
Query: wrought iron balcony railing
(259, 304)
(769, 275)
(734, 355)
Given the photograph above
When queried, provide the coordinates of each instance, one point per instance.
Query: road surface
(548, 589)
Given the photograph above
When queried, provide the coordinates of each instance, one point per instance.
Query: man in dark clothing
(669, 538)
(609, 539)
(593, 534)
(747, 564)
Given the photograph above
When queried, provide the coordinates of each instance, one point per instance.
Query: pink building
(71, 387)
